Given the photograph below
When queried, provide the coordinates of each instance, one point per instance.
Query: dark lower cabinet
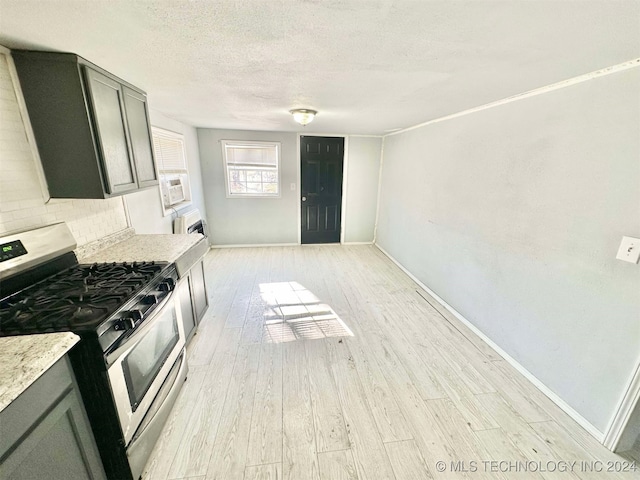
(192, 291)
(186, 307)
(199, 290)
(46, 433)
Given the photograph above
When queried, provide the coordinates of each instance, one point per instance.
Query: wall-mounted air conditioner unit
(173, 191)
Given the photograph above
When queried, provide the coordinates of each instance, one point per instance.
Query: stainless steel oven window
(144, 361)
(169, 316)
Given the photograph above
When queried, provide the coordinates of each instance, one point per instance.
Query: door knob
(304, 199)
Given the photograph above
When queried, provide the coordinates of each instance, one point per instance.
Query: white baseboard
(614, 440)
(255, 245)
(319, 244)
(583, 422)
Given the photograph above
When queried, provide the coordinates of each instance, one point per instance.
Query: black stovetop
(77, 299)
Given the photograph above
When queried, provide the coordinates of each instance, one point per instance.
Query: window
(172, 168)
(252, 168)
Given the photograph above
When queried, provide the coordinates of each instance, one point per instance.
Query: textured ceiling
(367, 66)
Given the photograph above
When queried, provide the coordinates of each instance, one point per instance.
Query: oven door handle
(169, 390)
(140, 332)
(150, 428)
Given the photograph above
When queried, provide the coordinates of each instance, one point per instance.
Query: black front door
(321, 161)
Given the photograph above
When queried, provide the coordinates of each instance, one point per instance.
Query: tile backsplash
(22, 204)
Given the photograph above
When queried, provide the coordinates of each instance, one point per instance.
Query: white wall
(145, 207)
(235, 221)
(256, 221)
(22, 204)
(362, 172)
(514, 214)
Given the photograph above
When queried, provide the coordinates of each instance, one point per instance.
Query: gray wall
(247, 221)
(363, 169)
(514, 214)
(260, 221)
(145, 207)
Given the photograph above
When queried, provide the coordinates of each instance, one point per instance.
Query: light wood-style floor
(329, 363)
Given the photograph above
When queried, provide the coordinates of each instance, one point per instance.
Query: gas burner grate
(76, 299)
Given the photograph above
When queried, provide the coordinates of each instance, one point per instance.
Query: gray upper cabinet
(91, 128)
(140, 136)
(111, 131)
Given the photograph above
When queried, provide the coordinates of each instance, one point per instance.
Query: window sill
(170, 210)
(252, 196)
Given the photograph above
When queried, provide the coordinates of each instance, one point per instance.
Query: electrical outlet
(629, 250)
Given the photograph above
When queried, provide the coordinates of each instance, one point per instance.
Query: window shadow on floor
(292, 312)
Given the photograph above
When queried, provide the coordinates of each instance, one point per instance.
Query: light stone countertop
(145, 248)
(25, 358)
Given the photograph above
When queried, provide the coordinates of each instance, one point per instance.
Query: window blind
(252, 156)
(170, 154)
(252, 168)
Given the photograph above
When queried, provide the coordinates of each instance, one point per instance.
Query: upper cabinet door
(91, 128)
(110, 129)
(140, 136)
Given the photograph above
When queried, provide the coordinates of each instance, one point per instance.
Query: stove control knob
(150, 299)
(166, 285)
(129, 320)
(126, 323)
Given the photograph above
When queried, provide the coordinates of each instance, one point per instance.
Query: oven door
(138, 368)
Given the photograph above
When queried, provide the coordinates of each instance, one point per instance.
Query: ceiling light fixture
(303, 115)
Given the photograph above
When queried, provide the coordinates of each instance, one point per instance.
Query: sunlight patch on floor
(294, 313)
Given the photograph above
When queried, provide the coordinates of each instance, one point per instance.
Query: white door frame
(345, 161)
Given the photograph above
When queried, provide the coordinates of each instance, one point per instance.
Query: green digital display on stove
(11, 250)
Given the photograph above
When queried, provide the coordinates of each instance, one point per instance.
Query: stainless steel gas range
(130, 363)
